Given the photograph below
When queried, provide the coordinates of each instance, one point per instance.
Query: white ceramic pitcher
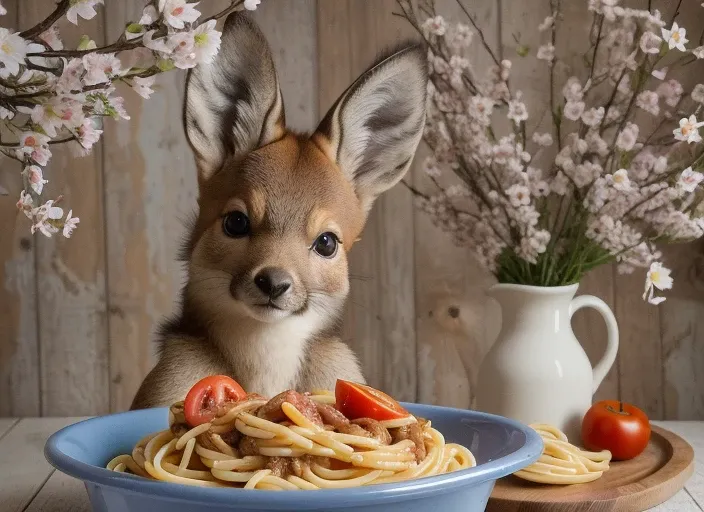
(536, 370)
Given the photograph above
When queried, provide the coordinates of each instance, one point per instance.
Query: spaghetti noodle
(563, 463)
(239, 448)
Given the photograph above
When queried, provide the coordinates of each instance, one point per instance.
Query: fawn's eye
(326, 245)
(235, 224)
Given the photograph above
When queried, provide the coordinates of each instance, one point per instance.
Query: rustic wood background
(76, 316)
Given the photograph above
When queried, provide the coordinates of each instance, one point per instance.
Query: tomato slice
(206, 395)
(359, 401)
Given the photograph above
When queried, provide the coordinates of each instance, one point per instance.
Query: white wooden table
(28, 483)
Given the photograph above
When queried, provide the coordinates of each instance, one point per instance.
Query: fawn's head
(278, 211)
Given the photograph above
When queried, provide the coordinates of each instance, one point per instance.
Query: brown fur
(292, 187)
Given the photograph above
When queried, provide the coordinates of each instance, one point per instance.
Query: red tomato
(207, 394)
(621, 428)
(360, 401)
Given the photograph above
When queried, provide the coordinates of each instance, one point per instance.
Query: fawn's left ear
(372, 131)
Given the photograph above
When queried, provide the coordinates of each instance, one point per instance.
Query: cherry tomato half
(621, 428)
(207, 394)
(360, 401)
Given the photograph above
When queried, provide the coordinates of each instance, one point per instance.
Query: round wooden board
(628, 486)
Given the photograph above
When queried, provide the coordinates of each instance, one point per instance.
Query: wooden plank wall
(76, 316)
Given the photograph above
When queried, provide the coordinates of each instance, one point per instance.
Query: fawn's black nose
(273, 281)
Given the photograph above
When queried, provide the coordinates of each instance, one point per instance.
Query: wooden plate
(628, 486)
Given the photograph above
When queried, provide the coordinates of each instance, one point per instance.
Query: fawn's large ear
(233, 104)
(372, 131)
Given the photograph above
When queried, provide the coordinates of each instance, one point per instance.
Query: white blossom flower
(572, 90)
(83, 8)
(619, 180)
(627, 138)
(3, 11)
(6, 114)
(100, 67)
(657, 277)
(13, 51)
(461, 36)
(519, 195)
(546, 52)
(434, 26)
(198, 46)
(689, 180)
(698, 52)
(675, 37)
(70, 224)
(158, 45)
(517, 111)
(660, 74)
(672, 91)
(35, 178)
(25, 204)
(648, 101)
(593, 116)
(650, 42)
(573, 110)
(542, 139)
(177, 12)
(43, 217)
(251, 5)
(698, 93)
(595, 144)
(143, 86)
(149, 15)
(480, 109)
(70, 79)
(688, 130)
(546, 24)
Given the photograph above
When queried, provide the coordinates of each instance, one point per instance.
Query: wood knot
(25, 244)
(453, 311)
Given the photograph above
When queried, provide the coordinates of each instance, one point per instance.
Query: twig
(48, 21)
(480, 32)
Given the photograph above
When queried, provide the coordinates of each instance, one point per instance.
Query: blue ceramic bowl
(501, 447)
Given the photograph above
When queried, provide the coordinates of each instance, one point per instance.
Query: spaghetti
(563, 463)
(296, 451)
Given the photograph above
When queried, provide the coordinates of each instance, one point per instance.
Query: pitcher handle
(607, 360)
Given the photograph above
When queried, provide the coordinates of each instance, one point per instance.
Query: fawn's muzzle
(273, 282)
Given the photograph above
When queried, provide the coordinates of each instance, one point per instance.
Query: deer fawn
(278, 213)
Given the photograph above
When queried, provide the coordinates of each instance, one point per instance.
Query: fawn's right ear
(233, 104)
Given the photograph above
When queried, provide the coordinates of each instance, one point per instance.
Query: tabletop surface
(28, 483)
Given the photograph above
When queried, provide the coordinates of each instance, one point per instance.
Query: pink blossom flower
(52, 38)
(671, 91)
(83, 8)
(158, 45)
(70, 79)
(143, 86)
(87, 134)
(36, 146)
(434, 26)
(688, 130)
(572, 90)
(461, 36)
(25, 204)
(648, 101)
(689, 180)
(650, 43)
(177, 12)
(100, 68)
(70, 224)
(675, 37)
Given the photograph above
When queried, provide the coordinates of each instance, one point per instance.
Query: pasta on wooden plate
(293, 441)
